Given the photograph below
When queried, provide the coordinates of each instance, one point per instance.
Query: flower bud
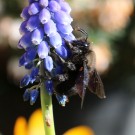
(43, 50)
(69, 37)
(43, 3)
(56, 40)
(34, 74)
(23, 30)
(31, 54)
(54, 6)
(34, 8)
(25, 81)
(25, 15)
(50, 28)
(37, 36)
(33, 23)
(44, 16)
(33, 96)
(62, 18)
(65, 7)
(62, 99)
(25, 41)
(65, 29)
(62, 52)
(26, 95)
(29, 65)
(48, 63)
(22, 60)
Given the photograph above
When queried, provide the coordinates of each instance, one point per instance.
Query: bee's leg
(71, 66)
(66, 63)
(46, 76)
(73, 46)
(61, 77)
(72, 91)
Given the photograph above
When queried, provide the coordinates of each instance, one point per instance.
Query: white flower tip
(35, 42)
(44, 21)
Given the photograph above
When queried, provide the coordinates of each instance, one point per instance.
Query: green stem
(47, 110)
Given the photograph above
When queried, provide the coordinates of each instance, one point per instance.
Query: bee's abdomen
(66, 86)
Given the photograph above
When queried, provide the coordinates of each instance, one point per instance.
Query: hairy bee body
(84, 76)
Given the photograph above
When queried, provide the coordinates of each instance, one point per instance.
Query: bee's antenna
(77, 28)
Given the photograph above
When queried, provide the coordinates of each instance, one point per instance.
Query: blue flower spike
(45, 30)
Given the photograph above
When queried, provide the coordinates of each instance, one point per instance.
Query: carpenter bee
(81, 71)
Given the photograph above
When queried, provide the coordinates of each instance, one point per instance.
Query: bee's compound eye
(86, 45)
(80, 51)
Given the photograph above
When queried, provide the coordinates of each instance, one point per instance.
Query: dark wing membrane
(80, 87)
(79, 84)
(85, 81)
(82, 82)
(95, 84)
(91, 57)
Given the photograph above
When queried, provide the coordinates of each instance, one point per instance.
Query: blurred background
(110, 25)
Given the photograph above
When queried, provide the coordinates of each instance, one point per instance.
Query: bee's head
(84, 45)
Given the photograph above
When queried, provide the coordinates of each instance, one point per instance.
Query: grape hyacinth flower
(45, 29)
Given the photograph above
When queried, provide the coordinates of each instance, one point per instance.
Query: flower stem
(47, 110)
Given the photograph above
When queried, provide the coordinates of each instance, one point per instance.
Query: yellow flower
(80, 130)
(20, 126)
(35, 126)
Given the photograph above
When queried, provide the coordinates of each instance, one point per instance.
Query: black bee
(81, 71)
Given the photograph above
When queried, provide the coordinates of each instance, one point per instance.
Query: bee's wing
(82, 82)
(80, 87)
(91, 57)
(79, 84)
(95, 84)
(85, 81)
